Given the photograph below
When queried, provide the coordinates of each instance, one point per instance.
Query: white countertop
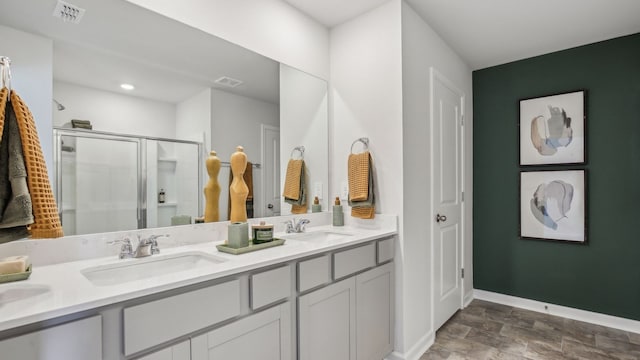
(61, 289)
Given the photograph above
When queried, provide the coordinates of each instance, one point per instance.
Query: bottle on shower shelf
(162, 196)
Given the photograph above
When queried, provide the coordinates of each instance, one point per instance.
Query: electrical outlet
(344, 190)
(317, 189)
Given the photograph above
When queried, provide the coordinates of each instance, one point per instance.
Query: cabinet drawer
(80, 339)
(351, 261)
(385, 250)
(314, 272)
(270, 286)
(155, 322)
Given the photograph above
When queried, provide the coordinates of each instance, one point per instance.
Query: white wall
(193, 119)
(32, 76)
(272, 28)
(304, 121)
(236, 120)
(422, 48)
(114, 112)
(366, 80)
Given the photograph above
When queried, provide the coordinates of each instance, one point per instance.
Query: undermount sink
(320, 235)
(153, 266)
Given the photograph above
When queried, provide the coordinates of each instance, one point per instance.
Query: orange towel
(46, 221)
(361, 188)
(292, 188)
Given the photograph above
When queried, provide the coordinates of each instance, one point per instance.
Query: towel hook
(364, 140)
(5, 72)
(300, 149)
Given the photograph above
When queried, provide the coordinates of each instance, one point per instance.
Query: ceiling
(492, 32)
(118, 42)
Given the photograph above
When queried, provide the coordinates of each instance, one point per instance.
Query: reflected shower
(58, 105)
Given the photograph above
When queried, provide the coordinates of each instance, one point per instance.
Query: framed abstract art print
(552, 129)
(553, 205)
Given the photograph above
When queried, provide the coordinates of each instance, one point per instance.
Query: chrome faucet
(296, 226)
(146, 247)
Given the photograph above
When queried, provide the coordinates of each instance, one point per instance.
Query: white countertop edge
(90, 296)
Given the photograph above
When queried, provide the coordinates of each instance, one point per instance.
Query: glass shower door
(100, 184)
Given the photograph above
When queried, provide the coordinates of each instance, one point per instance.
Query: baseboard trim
(468, 298)
(416, 350)
(558, 310)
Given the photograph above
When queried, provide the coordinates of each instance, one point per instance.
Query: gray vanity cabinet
(181, 351)
(327, 322)
(375, 313)
(351, 319)
(80, 339)
(265, 335)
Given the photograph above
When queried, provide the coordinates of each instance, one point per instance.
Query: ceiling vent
(68, 12)
(228, 82)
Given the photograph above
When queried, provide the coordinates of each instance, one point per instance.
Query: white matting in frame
(553, 205)
(552, 129)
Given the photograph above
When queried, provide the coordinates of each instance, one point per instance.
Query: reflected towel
(295, 192)
(361, 187)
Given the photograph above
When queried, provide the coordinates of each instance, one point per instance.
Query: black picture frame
(552, 129)
(553, 205)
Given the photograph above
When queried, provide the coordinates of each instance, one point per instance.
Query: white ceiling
(118, 42)
(492, 32)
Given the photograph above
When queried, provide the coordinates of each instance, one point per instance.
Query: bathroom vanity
(327, 293)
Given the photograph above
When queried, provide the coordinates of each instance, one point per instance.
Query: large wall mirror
(141, 162)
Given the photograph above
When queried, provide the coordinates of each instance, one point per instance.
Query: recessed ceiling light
(127, 86)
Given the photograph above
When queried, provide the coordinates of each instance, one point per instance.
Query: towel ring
(364, 140)
(5, 72)
(300, 149)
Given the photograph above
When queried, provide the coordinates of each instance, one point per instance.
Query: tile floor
(487, 330)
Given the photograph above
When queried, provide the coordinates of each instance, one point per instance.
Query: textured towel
(295, 192)
(15, 202)
(361, 188)
(45, 211)
(293, 179)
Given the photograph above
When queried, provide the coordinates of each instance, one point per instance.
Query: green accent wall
(603, 275)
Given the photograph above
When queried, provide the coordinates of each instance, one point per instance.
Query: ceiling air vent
(68, 12)
(228, 82)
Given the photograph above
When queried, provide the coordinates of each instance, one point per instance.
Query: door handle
(440, 218)
(270, 206)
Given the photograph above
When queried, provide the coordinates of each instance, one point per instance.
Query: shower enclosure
(111, 182)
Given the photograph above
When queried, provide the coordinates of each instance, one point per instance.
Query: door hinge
(462, 120)
(462, 273)
(463, 196)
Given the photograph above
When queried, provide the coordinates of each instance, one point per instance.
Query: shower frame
(142, 168)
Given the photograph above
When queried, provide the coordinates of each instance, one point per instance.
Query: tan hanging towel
(292, 188)
(46, 221)
(361, 188)
(295, 187)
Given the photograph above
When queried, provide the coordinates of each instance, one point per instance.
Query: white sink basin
(144, 268)
(320, 235)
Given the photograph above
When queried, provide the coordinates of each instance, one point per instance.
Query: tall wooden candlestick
(238, 190)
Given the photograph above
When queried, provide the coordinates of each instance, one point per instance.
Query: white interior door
(446, 119)
(271, 170)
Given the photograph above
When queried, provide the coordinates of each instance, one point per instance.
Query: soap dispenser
(338, 216)
(316, 207)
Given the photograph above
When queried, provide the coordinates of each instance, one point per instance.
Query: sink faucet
(295, 226)
(146, 247)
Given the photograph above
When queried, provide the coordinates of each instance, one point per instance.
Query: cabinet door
(80, 339)
(375, 313)
(180, 351)
(327, 322)
(265, 335)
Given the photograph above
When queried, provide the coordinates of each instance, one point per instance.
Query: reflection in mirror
(185, 92)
